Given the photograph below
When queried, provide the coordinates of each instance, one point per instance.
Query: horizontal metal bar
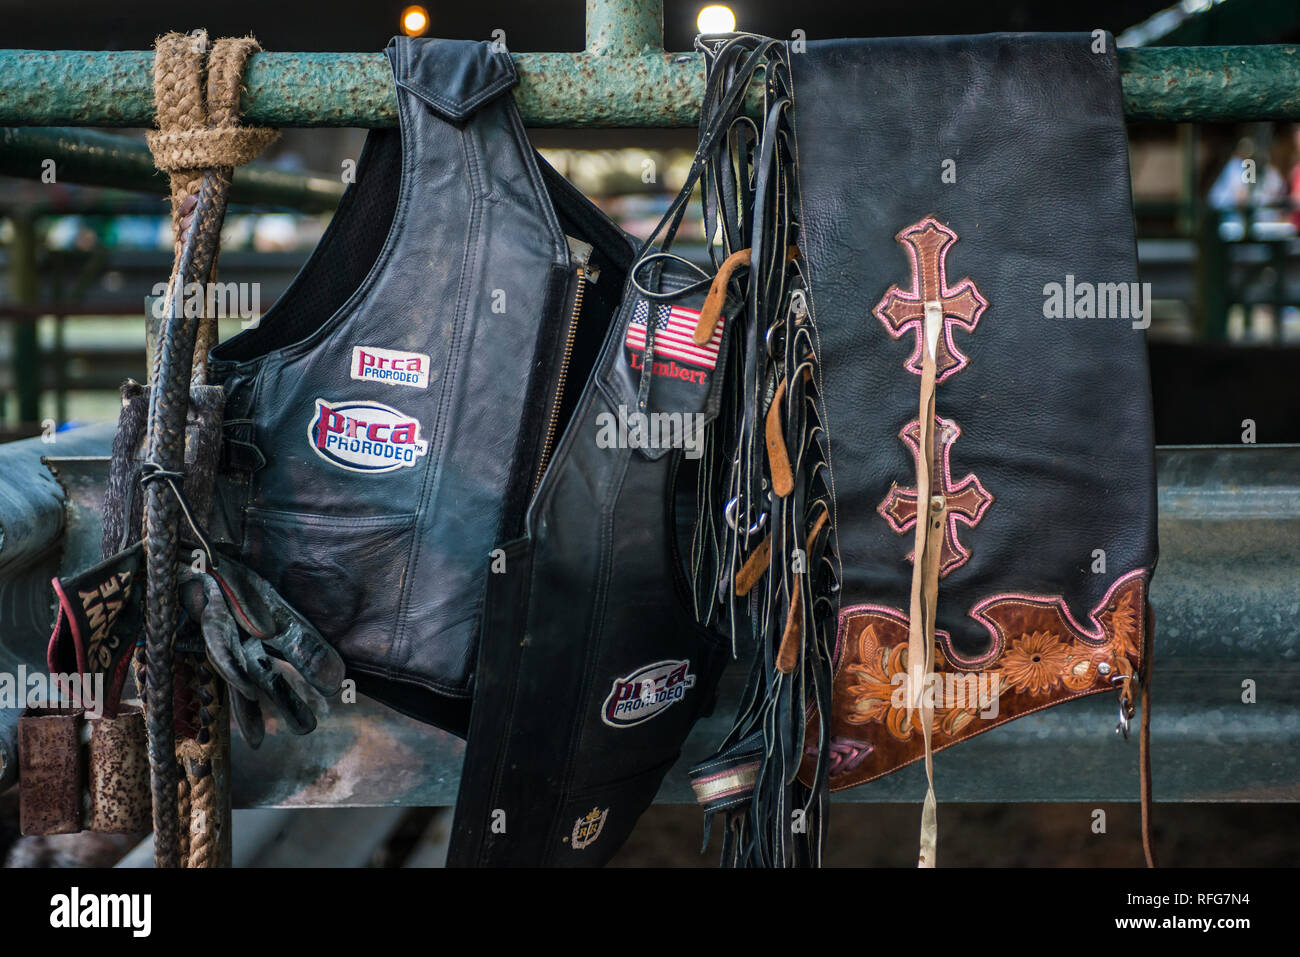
(92, 158)
(589, 89)
(1224, 599)
(1211, 84)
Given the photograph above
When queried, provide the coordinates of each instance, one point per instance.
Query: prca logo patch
(389, 366)
(647, 692)
(363, 436)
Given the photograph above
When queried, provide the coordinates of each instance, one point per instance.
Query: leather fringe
(764, 566)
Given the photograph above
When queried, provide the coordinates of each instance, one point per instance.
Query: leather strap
(767, 462)
(755, 567)
(778, 456)
(925, 585)
(1144, 746)
(792, 636)
(712, 310)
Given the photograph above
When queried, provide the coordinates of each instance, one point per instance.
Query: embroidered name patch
(363, 436)
(372, 364)
(646, 692)
(676, 355)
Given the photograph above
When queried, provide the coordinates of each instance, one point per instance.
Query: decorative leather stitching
(959, 554)
(901, 311)
(1038, 669)
(1096, 635)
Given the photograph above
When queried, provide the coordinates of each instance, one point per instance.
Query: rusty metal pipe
(589, 89)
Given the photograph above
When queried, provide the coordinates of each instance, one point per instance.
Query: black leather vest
(593, 669)
(388, 420)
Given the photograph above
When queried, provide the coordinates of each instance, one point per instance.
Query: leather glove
(245, 622)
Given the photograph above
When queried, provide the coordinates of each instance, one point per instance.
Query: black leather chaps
(966, 372)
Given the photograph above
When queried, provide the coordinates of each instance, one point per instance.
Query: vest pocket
(345, 574)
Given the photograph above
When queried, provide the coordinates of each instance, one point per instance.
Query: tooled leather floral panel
(1039, 656)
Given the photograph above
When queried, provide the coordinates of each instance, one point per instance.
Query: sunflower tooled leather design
(1040, 656)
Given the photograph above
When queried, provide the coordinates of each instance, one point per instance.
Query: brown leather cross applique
(900, 310)
(967, 500)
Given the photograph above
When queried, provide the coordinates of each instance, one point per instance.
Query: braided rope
(202, 813)
(197, 133)
(183, 813)
(178, 93)
(200, 755)
(179, 103)
(197, 143)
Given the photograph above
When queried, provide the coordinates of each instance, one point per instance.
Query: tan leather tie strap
(1144, 780)
(787, 655)
(1144, 746)
(751, 573)
(778, 456)
(931, 515)
(712, 311)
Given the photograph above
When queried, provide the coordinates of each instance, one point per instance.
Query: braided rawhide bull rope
(198, 143)
(164, 457)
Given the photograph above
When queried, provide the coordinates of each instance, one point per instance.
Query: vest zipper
(572, 333)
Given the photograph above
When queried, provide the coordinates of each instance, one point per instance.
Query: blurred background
(1221, 251)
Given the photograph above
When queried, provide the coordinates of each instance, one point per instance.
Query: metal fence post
(625, 27)
(25, 288)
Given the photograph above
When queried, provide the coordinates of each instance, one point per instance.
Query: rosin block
(50, 771)
(120, 801)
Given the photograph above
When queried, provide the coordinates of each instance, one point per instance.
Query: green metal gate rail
(92, 158)
(620, 81)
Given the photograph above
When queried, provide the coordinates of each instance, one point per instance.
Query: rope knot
(198, 127)
(211, 147)
(196, 95)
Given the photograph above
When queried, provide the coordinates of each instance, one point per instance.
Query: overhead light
(716, 19)
(415, 20)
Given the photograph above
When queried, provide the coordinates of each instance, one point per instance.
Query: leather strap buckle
(1126, 707)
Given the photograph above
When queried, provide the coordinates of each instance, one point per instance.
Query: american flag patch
(674, 332)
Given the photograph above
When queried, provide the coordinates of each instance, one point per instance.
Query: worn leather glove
(245, 623)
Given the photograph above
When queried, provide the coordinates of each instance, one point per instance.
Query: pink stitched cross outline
(927, 244)
(967, 500)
